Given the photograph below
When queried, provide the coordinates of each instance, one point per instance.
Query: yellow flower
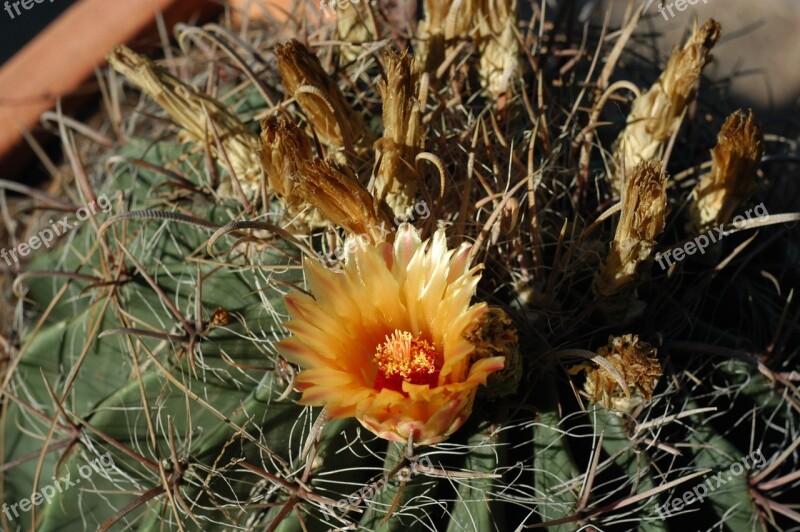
(383, 340)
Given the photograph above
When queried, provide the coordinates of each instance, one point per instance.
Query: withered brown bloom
(403, 138)
(644, 209)
(491, 24)
(191, 110)
(335, 122)
(731, 181)
(335, 191)
(656, 114)
(285, 149)
(444, 20)
(636, 361)
(498, 45)
(355, 24)
(494, 335)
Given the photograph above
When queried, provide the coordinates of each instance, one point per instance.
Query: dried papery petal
(656, 114)
(403, 138)
(644, 208)
(636, 361)
(498, 45)
(338, 195)
(490, 23)
(494, 335)
(187, 107)
(336, 124)
(444, 20)
(285, 148)
(429, 47)
(461, 19)
(355, 24)
(731, 181)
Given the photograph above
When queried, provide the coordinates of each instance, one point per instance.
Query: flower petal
(417, 287)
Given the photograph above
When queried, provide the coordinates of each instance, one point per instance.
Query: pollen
(404, 357)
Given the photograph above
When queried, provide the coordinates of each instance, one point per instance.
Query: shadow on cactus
(512, 360)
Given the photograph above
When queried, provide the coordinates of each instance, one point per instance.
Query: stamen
(405, 358)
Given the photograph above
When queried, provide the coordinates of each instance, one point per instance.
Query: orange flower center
(405, 358)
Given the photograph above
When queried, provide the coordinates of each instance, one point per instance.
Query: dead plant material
(334, 121)
(444, 20)
(285, 148)
(355, 25)
(494, 335)
(397, 179)
(191, 110)
(498, 45)
(491, 24)
(656, 114)
(644, 210)
(731, 181)
(335, 191)
(636, 361)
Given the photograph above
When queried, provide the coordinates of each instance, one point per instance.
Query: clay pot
(61, 60)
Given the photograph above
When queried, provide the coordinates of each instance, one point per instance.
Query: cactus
(148, 383)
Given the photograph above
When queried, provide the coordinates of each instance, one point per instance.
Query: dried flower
(491, 23)
(384, 340)
(498, 45)
(644, 208)
(188, 107)
(342, 200)
(444, 20)
(356, 25)
(636, 361)
(336, 124)
(301, 180)
(494, 335)
(656, 114)
(731, 181)
(285, 149)
(397, 179)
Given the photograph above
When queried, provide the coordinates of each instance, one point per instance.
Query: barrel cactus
(379, 280)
